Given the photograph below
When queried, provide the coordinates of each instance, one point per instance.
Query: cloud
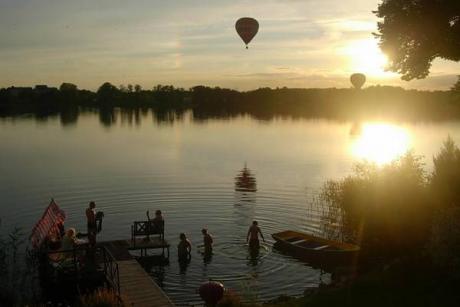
(184, 42)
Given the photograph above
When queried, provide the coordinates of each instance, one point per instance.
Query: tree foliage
(70, 87)
(384, 209)
(456, 87)
(415, 32)
(445, 180)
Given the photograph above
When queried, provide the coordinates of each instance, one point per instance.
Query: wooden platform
(120, 248)
(138, 288)
(151, 243)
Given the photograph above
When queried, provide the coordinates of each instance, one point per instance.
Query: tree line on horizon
(264, 103)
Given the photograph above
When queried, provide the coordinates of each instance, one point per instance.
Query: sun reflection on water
(380, 143)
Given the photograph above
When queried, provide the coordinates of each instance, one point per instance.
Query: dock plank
(138, 289)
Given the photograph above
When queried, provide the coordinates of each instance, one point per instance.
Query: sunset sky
(301, 43)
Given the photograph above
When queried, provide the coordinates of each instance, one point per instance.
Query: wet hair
(182, 236)
(71, 232)
(204, 231)
(254, 223)
(92, 204)
(158, 212)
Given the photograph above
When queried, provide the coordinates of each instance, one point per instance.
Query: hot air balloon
(358, 80)
(247, 28)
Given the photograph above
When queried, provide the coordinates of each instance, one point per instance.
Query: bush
(445, 179)
(444, 243)
(383, 209)
(17, 282)
(230, 299)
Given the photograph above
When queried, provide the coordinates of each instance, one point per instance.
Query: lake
(187, 168)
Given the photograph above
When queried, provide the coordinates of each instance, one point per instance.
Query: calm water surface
(187, 169)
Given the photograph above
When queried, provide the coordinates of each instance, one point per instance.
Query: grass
(401, 284)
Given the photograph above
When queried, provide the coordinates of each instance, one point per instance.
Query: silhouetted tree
(456, 86)
(413, 33)
(107, 93)
(69, 87)
(445, 179)
(123, 88)
(137, 88)
(385, 209)
(444, 243)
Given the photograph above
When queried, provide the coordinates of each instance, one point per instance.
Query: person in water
(253, 236)
(184, 248)
(91, 223)
(207, 241)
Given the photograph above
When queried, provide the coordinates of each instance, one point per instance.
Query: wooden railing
(70, 264)
(111, 271)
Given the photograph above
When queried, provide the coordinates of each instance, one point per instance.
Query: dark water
(187, 170)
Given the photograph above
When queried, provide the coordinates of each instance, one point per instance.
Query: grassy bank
(402, 284)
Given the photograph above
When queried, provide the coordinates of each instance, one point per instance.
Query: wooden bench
(146, 229)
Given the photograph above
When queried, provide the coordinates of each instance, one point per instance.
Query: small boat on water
(308, 246)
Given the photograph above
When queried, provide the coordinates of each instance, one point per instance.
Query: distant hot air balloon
(247, 28)
(358, 80)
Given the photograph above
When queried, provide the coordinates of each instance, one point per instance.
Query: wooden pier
(108, 264)
(136, 287)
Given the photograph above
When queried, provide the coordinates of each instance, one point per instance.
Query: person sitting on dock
(253, 236)
(68, 243)
(207, 241)
(158, 221)
(184, 248)
(156, 225)
(91, 223)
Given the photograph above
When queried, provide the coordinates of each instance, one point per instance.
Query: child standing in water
(253, 236)
(207, 241)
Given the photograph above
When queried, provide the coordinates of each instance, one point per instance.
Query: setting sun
(380, 143)
(365, 56)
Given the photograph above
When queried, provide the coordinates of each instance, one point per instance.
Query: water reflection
(380, 142)
(155, 266)
(158, 169)
(245, 197)
(183, 264)
(245, 181)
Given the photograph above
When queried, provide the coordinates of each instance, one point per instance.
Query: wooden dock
(137, 288)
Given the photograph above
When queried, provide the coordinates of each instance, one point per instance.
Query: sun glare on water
(380, 143)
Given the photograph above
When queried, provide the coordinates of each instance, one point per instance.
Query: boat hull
(315, 251)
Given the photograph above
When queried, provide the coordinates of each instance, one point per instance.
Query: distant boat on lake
(245, 181)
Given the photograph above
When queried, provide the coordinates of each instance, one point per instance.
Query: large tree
(415, 32)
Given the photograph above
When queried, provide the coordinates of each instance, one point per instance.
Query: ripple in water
(189, 205)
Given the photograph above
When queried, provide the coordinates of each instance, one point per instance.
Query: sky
(300, 43)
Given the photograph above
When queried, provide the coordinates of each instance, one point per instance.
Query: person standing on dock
(91, 223)
(253, 236)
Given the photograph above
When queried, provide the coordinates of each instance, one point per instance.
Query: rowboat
(314, 248)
